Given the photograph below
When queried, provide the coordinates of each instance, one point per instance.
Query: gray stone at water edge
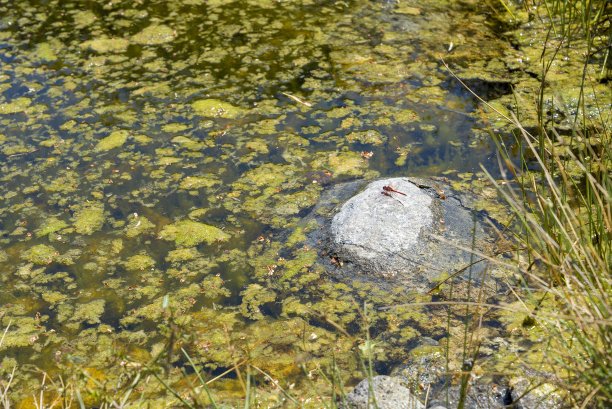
(413, 238)
(389, 394)
(373, 226)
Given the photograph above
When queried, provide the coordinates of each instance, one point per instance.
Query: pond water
(154, 148)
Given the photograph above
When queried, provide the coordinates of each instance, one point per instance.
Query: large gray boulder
(383, 229)
(413, 233)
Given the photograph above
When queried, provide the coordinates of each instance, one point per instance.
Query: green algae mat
(155, 170)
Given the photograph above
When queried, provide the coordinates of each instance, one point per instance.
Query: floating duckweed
(338, 112)
(212, 287)
(294, 202)
(51, 225)
(154, 34)
(88, 312)
(138, 225)
(48, 51)
(252, 298)
(406, 116)
(53, 297)
(83, 18)
(142, 139)
(342, 163)
(105, 44)
(174, 127)
(216, 108)
(168, 160)
(22, 332)
(89, 218)
(189, 233)
(370, 136)
(114, 140)
(403, 8)
(427, 127)
(296, 236)
(268, 174)
(350, 122)
(40, 254)
(188, 143)
(69, 257)
(139, 262)
(257, 145)
(18, 105)
(66, 182)
(198, 182)
(182, 254)
(197, 213)
(301, 262)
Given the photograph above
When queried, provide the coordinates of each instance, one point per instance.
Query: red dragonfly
(388, 189)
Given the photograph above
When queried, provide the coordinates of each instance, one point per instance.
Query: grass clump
(560, 190)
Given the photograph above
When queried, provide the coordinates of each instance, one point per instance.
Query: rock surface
(389, 394)
(412, 238)
(382, 228)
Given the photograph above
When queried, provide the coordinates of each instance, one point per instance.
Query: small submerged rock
(320, 177)
(389, 393)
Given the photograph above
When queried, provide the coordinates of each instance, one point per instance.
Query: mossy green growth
(39, 254)
(187, 233)
(216, 108)
(342, 163)
(114, 140)
(154, 34)
(198, 213)
(433, 351)
(104, 44)
(18, 105)
(198, 182)
(174, 127)
(89, 218)
(303, 260)
(296, 236)
(142, 139)
(138, 225)
(50, 225)
(252, 298)
(268, 174)
(188, 143)
(182, 254)
(48, 51)
(370, 136)
(139, 262)
(89, 312)
(20, 333)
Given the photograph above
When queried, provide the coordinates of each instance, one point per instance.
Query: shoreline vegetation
(559, 191)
